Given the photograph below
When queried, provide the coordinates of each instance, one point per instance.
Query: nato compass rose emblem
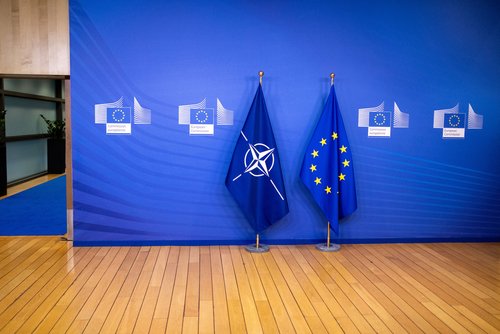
(259, 161)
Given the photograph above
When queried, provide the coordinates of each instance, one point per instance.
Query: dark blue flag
(118, 115)
(327, 169)
(454, 120)
(380, 118)
(254, 177)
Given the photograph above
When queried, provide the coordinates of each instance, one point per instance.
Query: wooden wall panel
(34, 37)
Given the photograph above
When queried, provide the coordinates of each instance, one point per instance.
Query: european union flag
(254, 177)
(454, 120)
(327, 169)
(118, 115)
(202, 116)
(380, 118)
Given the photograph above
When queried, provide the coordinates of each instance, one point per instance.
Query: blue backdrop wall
(146, 173)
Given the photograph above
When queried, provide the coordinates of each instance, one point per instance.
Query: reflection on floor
(30, 184)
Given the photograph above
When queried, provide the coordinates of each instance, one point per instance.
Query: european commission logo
(380, 121)
(454, 122)
(202, 120)
(118, 119)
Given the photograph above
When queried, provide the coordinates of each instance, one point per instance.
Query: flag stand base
(326, 248)
(257, 249)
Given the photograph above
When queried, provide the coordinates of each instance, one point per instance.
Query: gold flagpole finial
(261, 74)
(332, 76)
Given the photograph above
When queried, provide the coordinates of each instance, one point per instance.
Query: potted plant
(56, 146)
(3, 155)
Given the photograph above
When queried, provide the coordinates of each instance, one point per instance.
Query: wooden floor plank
(266, 316)
(17, 257)
(236, 317)
(470, 262)
(350, 285)
(483, 307)
(27, 297)
(176, 313)
(439, 298)
(346, 313)
(293, 268)
(67, 307)
(249, 307)
(394, 292)
(206, 312)
(162, 309)
(136, 300)
(95, 316)
(303, 323)
(366, 273)
(403, 285)
(145, 318)
(46, 285)
(279, 310)
(38, 308)
(28, 274)
(115, 315)
(221, 314)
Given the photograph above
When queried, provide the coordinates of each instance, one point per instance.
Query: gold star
(346, 163)
(342, 177)
(312, 168)
(317, 181)
(335, 135)
(343, 149)
(315, 153)
(328, 190)
(323, 142)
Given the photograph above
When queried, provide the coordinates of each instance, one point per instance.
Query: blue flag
(254, 177)
(327, 169)
(118, 115)
(454, 120)
(380, 118)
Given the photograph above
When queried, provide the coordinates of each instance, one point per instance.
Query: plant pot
(3, 169)
(56, 156)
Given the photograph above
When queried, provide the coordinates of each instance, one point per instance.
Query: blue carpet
(37, 211)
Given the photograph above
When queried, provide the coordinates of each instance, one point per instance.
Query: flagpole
(328, 236)
(258, 248)
(328, 247)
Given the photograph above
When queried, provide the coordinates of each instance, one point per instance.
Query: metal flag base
(257, 248)
(326, 248)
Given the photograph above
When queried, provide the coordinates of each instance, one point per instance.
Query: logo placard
(118, 119)
(201, 120)
(453, 122)
(379, 121)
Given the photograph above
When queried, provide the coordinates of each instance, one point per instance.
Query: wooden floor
(46, 285)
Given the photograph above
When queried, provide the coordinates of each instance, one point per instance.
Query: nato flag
(327, 169)
(254, 177)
